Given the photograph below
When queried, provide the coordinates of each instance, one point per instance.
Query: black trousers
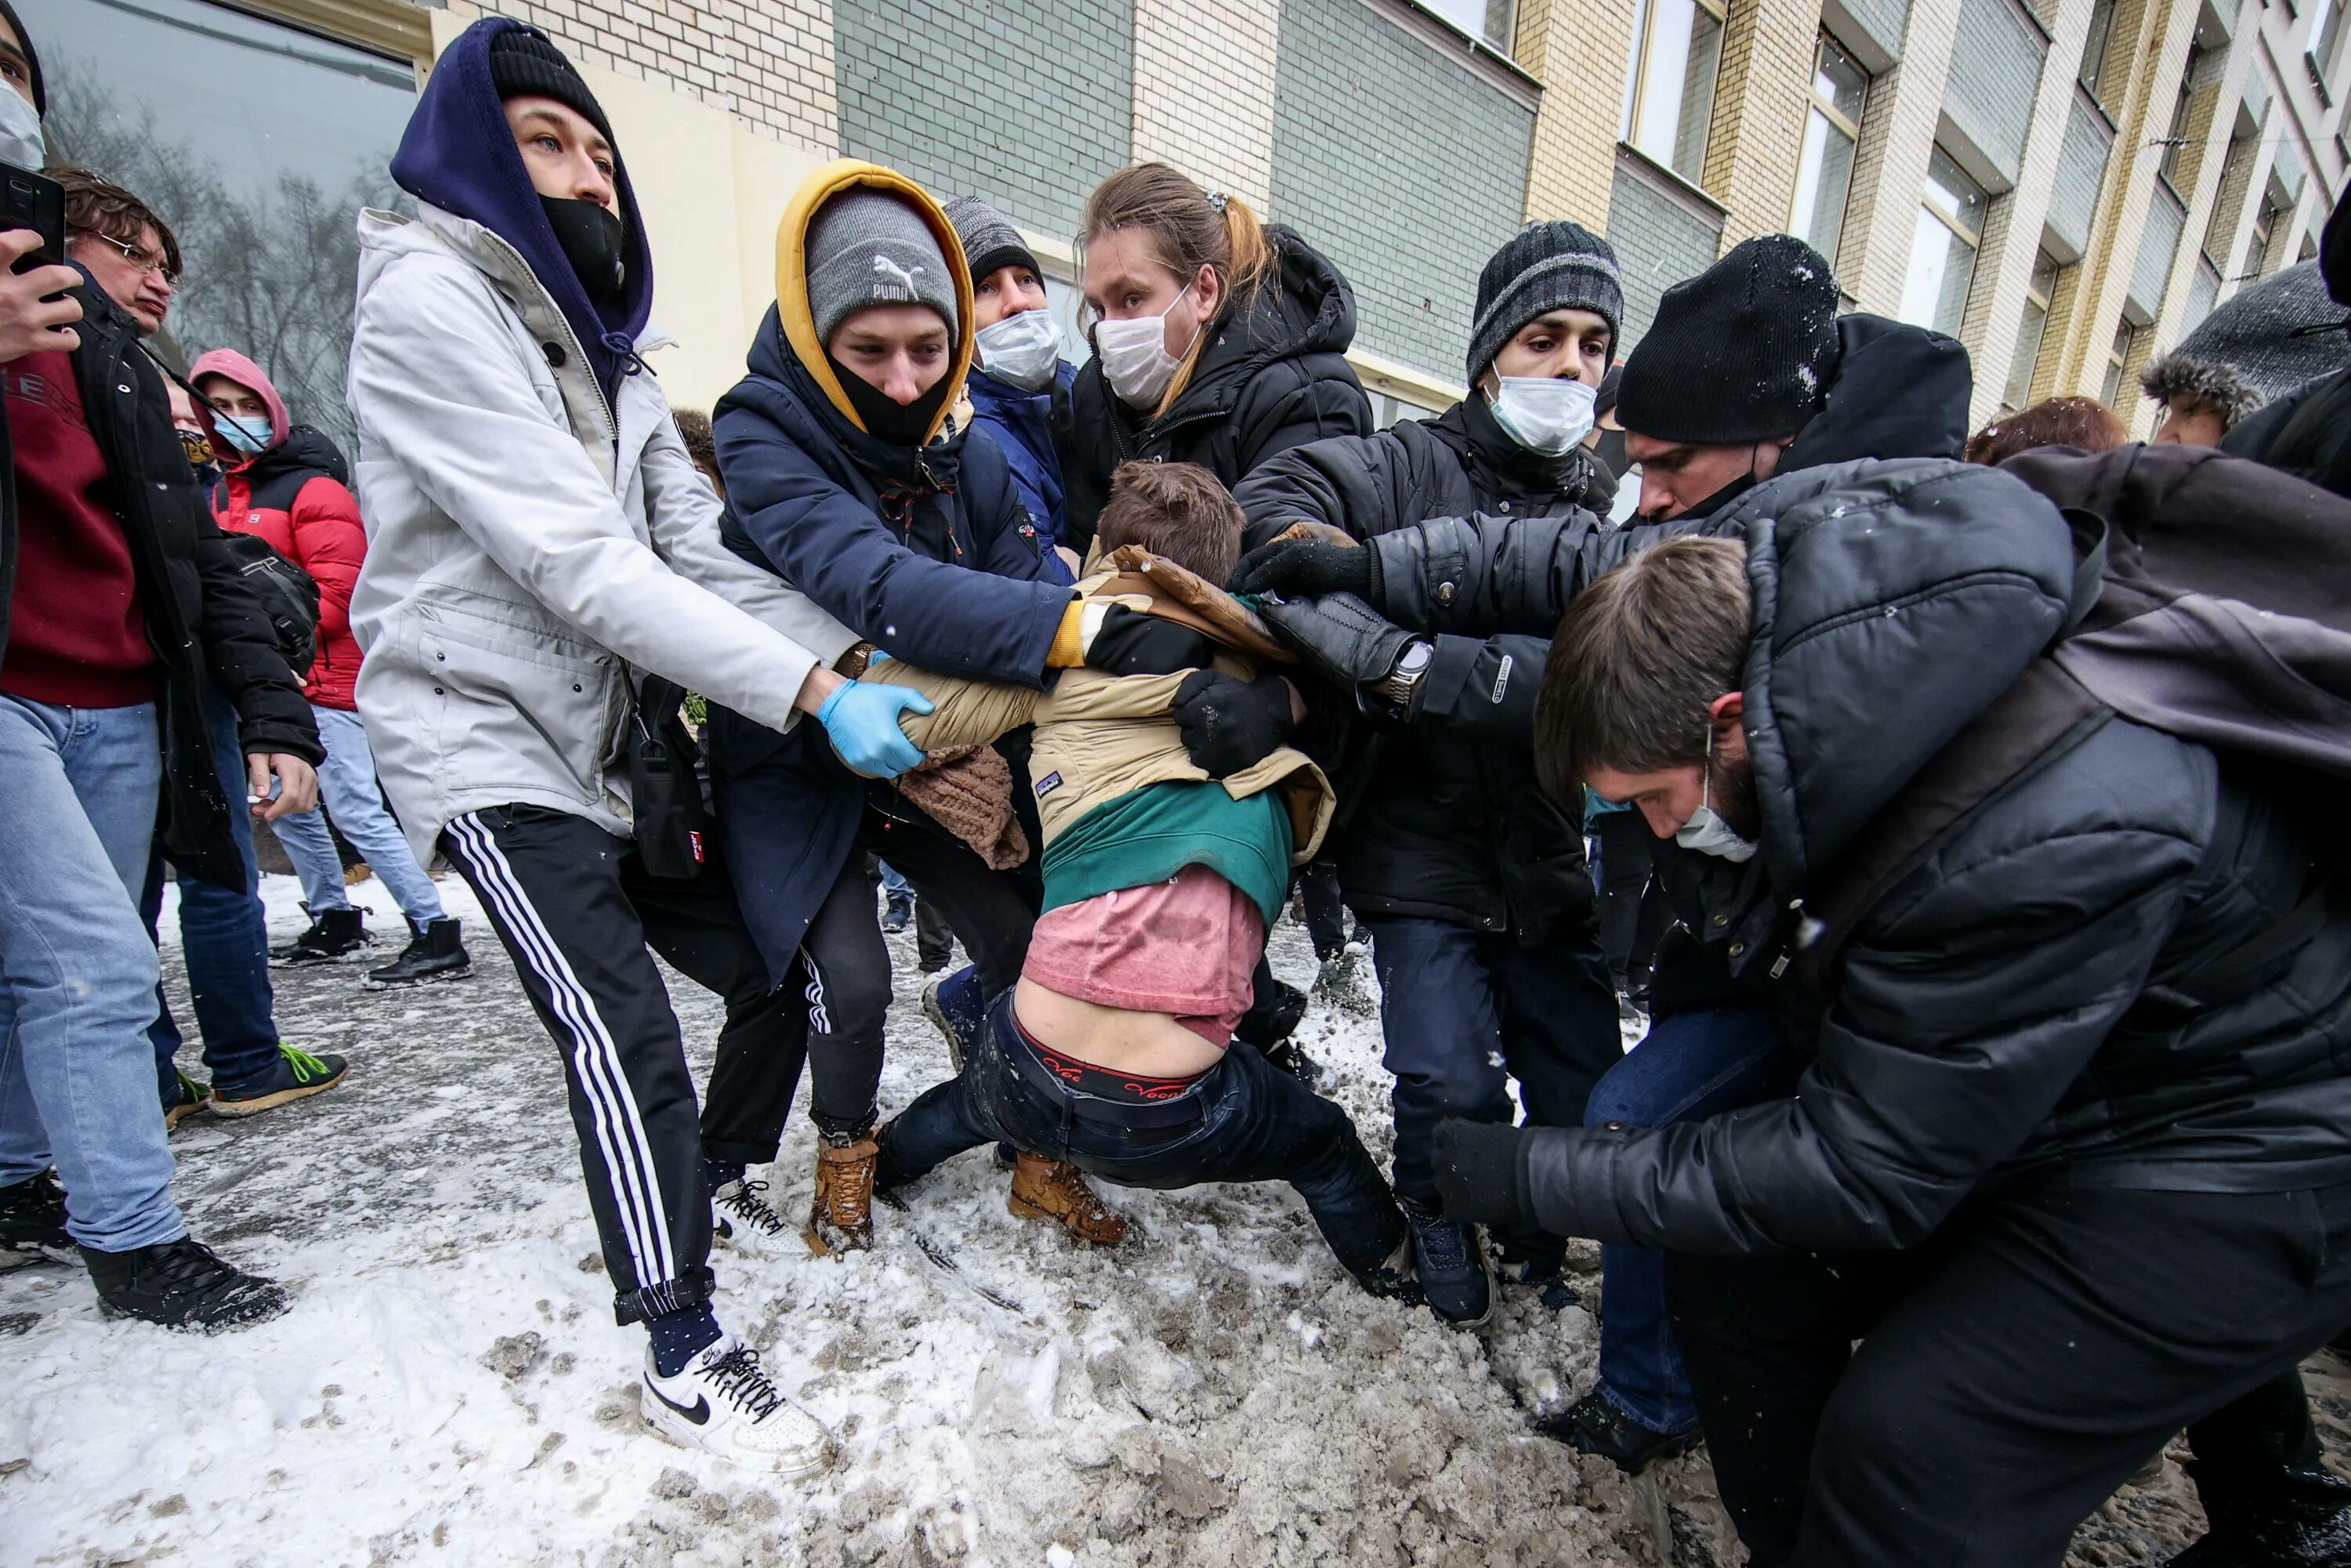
(840, 986)
(2011, 1373)
(576, 912)
(933, 937)
(1256, 1124)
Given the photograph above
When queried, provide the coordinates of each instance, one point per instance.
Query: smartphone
(35, 202)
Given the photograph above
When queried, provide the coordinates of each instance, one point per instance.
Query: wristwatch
(1404, 677)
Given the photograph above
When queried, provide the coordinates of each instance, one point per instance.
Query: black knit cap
(32, 61)
(1743, 352)
(523, 64)
(1545, 267)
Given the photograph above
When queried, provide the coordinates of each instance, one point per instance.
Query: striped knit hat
(1557, 266)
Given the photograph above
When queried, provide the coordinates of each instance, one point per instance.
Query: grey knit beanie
(868, 247)
(1556, 266)
(2262, 343)
(989, 240)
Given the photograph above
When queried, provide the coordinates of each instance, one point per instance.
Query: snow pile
(450, 1386)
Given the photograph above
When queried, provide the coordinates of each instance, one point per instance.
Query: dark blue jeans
(1693, 1065)
(225, 941)
(1464, 1012)
(1257, 1123)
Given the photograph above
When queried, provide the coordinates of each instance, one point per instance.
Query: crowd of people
(1948, 817)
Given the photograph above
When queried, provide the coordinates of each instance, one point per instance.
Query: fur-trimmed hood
(2179, 377)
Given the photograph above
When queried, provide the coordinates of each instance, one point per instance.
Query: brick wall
(768, 61)
(1996, 63)
(1400, 164)
(1890, 174)
(1661, 236)
(1204, 74)
(1760, 99)
(1029, 103)
(1563, 44)
(1881, 22)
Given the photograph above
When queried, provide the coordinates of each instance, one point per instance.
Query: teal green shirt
(1149, 834)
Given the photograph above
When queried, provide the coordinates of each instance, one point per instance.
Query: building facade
(2066, 185)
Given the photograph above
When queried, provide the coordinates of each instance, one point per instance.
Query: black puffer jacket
(1449, 825)
(1274, 375)
(202, 618)
(2307, 433)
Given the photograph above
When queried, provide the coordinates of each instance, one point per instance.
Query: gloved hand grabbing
(862, 718)
(1302, 570)
(1477, 1179)
(1343, 637)
(1231, 724)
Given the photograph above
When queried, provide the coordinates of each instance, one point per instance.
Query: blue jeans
(347, 784)
(1693, 1065)
(1464, 1012)
(77, 973)
(225, 938)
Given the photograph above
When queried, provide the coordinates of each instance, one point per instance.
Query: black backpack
(288, 595)
(2212, 600)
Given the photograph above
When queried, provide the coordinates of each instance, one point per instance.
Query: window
(2094, 47)
(1825, 169)
(2257, 243)
(1943, 247)
(2038, 291)
(2325, 36)
(1487, 21)
(2117, 355)
(260, 178)
(2175, 139)
(1669, 85)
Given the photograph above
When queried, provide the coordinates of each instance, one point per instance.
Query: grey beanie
(2266, 340)
(1555, 266)
(989, 240)
(867, 248)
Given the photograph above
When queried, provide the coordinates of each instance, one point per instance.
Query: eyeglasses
(144, 261)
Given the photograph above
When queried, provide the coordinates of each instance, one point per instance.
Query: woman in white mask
(1019, 385)
(1216, 340)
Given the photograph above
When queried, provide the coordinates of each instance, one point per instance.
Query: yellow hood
(791, 273)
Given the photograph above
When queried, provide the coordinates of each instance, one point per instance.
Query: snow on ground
(450, 1387)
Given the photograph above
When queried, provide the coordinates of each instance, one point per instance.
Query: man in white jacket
(538, 542)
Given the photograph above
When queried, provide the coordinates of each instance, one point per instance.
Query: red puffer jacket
(293, 495)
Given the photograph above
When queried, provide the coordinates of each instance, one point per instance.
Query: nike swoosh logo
(698, 1412)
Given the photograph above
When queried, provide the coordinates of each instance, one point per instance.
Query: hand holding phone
(37, 313)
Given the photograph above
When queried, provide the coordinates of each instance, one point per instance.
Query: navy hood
(459, 154)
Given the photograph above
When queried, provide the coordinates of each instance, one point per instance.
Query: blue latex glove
(862, 717)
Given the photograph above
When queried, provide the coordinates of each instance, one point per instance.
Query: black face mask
(592, 240)
(885, 419)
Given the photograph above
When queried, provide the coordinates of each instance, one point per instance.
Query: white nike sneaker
(724, 1404)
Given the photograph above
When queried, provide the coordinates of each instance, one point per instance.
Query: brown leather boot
(1049, 1189)
(841, 1216)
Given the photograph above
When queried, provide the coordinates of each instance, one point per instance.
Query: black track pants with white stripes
(576, 912)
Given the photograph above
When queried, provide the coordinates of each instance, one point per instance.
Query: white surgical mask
(1543, 414)
(20, 131)
(1021, 349)
(1705, 832)
(1134, 357)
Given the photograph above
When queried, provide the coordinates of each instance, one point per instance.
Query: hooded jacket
(532, 540)
(927, 554)
(294, 496)
(1449, 826)
(203, 620)
(1273, 376)
(1024, 426)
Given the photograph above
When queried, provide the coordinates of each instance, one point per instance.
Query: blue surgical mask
(1543, 414)
(248, 432)
(1705, 832)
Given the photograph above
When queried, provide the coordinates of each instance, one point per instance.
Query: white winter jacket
(526, 548)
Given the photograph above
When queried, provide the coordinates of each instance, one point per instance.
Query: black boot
(33, 1222)
(1450, 1262)
(181, 1285)
(335, 936)
(1593, 1424)
(433, 953)
(1285, 1056)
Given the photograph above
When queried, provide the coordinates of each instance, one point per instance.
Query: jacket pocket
(518, 702)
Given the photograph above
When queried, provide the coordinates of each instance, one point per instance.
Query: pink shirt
(1188, 946)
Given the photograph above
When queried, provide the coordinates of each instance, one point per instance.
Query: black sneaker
(336, 936)
(1284, 1055)
(188, 1097)
(181, 1285)
(744, 1202)
(1593, 1424)
(433, 953)
(33, 1222)
(298, 1076)
(898, 914)
(1450, 1264)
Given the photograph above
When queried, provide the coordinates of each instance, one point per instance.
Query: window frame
(2038, 298)
(2118, 352)
(1837, 121)
(1636, 84)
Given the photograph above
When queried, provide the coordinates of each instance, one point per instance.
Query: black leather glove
(1304, 569)
(1229, 723)
(1341, 636)
(1477, 1173)
(1133, 644)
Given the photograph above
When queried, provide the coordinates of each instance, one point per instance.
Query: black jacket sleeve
(1477, 576)
(241, 651)
(1349, 482)
(1272, 418)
